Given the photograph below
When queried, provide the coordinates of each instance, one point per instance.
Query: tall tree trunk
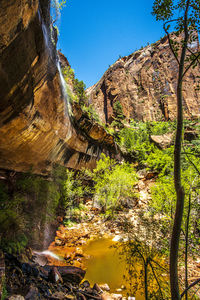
(174, 247)
(186, 247)
(146, 279)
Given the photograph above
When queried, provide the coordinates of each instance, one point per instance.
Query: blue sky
(94, 33)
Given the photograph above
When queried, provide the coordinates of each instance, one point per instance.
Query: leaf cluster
(114, 183)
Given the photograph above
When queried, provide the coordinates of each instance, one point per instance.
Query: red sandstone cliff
(145, 85)
(35, 127)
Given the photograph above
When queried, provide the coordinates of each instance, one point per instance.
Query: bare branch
(155, 262)
(191, 162)
(154, 274)
(193, 54)
(190, 65)
(189, 153)
(190, 286)
(169, 40)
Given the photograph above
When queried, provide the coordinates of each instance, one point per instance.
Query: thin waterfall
(68, 110)
(67, 107)
(48, 44)
(48, 253)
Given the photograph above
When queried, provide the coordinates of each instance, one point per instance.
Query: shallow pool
(106, 265)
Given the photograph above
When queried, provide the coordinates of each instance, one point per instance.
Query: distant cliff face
(35, 128)
(145, 85)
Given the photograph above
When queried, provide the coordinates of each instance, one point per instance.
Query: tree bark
(146, 279)
(186, 247)
(174, 247)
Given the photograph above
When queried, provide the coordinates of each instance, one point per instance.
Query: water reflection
(106, 265)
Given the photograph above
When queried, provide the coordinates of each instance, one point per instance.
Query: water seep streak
(45, 31)
(48, 46)
(64, 90)
(49, 253)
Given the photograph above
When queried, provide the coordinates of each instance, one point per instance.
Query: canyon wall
(36, 128)
(145, 85)
(40, 131)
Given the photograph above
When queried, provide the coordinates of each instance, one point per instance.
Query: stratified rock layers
(35, 128)
(145, 85)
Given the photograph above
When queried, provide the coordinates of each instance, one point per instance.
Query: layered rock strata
(35, 126)
(145, 85)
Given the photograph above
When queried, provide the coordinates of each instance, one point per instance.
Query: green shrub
(114, 183)
(90, 111)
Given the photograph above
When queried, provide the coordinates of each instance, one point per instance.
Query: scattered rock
(85, 284)
(54, 275)
(97, 288)
(190, 135)
(71, 274)
(116, 296)
(106, 296)
(16, 297)
(58, 242)
(32, 294)
(70, 297)
(58, 295)
(142, 173)
(162, 141)
(104, 287)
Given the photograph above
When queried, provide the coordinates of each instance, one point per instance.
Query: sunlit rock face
(35, 127)
(145, 85)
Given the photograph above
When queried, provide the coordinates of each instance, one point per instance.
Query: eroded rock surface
(35, 126)
(145, 85)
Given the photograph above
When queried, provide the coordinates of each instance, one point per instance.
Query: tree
(56, 7)
(143, 253)
(185, 14)
(113, 183)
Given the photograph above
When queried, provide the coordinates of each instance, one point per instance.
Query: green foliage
(118, 110)
(79, 89)
(74, 193)
(11, 221)
(144, 252)
(68, 73)
(90, 111)
(160, 160)
(73, 190)
(4, 293)
(78, 86)
(19, 206)
(136, 141)
(114, 183)
(56, 7)
(118, 115)
(78, 94)
(164, 199)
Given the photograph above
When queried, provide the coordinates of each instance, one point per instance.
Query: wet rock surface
(36, 128)
(30, 281)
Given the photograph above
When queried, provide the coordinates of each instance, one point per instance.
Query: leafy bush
(78, 86)
(73, 190)
(19, 206)
(135, 140)
(90, 111)
(114, 183)
(118, 114)
(164, 200)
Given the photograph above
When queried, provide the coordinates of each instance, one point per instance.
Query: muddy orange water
(106, 265)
